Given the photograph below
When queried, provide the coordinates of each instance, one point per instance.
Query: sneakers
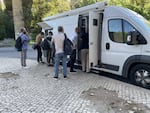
(25, 67)
(55, 78)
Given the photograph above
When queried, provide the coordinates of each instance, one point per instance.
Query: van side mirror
(134, 38)
(131, 39)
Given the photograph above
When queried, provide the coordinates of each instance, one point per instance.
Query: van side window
(115, 30)
(127, 28)
(119, 29)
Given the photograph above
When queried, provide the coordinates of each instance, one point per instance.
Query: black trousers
(39, 54)
(72, 59)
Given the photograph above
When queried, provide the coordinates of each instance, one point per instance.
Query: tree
(6, 26)
(27, 13)
(140, 6)
(58, 6)
(6, 20)
(81, 3)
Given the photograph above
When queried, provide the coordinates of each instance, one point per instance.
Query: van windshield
(143, 22)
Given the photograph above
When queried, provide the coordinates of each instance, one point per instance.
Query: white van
(119, 39)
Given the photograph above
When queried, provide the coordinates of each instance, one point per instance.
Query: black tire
(140, 75)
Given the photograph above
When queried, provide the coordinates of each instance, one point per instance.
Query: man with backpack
(58, 40)
(24, 40)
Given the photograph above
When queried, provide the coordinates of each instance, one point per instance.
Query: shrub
(6, 26)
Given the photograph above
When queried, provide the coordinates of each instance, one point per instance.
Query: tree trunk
(17, 16)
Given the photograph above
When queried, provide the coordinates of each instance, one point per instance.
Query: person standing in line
(73, 55)
(50, 49)
(58, 40)
(24, 39)
(39, 51)
(85, 51)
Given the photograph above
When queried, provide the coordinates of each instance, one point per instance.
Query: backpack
(68, 46)
(45, 44)
(18, 44)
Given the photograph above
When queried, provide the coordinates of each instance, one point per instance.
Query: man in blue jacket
(24, 39)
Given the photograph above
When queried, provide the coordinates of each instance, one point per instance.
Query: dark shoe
(55, 77)
(73, 71)
(65, 76)
(50, 65)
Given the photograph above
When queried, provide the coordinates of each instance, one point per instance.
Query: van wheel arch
(133, 61)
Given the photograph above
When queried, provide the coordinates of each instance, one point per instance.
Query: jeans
(23, 57)
(58, 57)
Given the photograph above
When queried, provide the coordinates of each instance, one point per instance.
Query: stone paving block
(34, 90)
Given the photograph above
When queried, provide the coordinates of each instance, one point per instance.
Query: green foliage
(27, 13)
(35, 10)
(6, 26)
(39, 9)
(81, 3)
(140, 6)
(58, 6)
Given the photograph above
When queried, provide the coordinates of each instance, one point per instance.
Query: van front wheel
(140, 75)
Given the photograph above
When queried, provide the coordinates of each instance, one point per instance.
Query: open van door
(93, 38)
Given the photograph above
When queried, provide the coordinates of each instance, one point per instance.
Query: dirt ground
(106, 101)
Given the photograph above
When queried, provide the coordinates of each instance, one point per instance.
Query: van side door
(115, 50)
(93, 38)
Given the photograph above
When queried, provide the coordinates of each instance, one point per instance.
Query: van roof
(97, 6)
(113, 11)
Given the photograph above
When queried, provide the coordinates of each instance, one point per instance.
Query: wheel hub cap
(142, 77)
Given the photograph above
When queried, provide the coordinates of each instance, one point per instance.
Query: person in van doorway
(85, 51)
(58, 40)
(73, 55)
(39, 51)
(50, 49)
(24, 39)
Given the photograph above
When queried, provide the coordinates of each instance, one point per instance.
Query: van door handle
(107, 46)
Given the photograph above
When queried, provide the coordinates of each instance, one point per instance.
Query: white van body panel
(118, 52)
(79, 11)
(69, 24)
(93, 40)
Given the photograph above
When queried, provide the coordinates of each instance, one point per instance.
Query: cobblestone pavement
(34, 90)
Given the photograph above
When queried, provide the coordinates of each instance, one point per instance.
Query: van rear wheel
(140, 75)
